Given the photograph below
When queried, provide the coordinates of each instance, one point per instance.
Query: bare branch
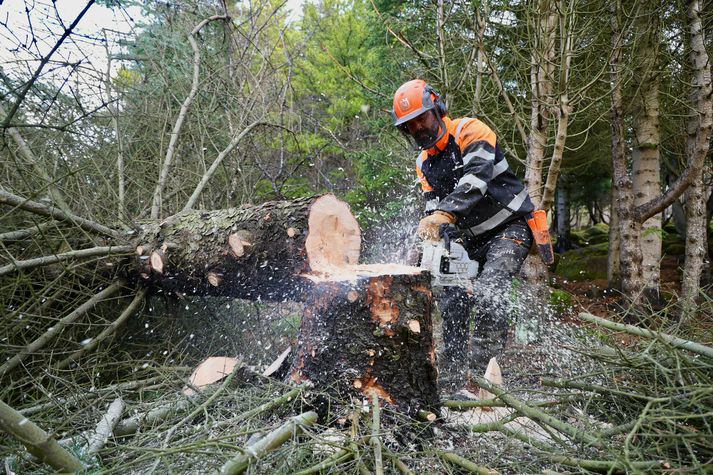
(23, 93)
(55, 329)
(8, 198)
(107, 332)
(170, 152)
(64, 256)
(216, 163)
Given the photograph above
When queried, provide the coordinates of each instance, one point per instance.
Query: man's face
(424, 128)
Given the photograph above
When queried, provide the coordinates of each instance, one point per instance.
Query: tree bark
(252, 252)
(371, 334)
(646, 165)
(563, 242)
(622, 188)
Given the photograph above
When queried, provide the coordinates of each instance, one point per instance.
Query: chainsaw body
(448, 261)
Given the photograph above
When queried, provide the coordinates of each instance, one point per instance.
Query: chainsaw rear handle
(537, 220)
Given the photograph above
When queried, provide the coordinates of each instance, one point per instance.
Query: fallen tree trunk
(368, 330)
(252, 252)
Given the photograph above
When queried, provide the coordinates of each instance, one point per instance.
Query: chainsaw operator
(466, 181)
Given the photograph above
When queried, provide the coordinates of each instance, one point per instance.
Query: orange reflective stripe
(475, 131)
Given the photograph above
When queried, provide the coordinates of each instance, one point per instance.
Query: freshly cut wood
(494, 375)
(210, 371)
(358, 335)
(253, 252)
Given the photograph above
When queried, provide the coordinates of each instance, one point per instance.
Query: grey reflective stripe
(500, 217)
(474, 182)
(461, 124)
(480, 153)
(484, 154)
(431, 204)
(500, 167)
(419, 161)
(518, 200)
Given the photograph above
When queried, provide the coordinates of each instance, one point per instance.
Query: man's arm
(477, 143)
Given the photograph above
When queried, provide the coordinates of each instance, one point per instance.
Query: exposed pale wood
(494, 376)
(334, 238)
(158, 261)
(275, 365)
(214, 278)
(210, 371)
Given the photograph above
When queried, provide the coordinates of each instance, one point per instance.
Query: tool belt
(537, 220)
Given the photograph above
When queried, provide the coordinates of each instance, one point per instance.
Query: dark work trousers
(475, 327)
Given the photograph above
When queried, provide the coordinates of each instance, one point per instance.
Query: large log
(367, 330)
(252, 252)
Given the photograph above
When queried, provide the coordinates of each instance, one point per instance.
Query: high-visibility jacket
(468, 176)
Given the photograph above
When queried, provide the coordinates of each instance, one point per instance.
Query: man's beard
(426, 138)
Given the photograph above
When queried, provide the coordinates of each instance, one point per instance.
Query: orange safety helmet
(414, 98)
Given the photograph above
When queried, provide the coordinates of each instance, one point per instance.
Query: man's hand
(429, 228)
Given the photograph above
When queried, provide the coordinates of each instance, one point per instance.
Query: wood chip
(352, 296)
(493, 375)
(414, 326)
(292, 232)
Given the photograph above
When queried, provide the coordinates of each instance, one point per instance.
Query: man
(466, 181)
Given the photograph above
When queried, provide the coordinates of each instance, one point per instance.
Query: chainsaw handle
(448, 232)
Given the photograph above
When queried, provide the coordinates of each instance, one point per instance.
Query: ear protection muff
(430, 96)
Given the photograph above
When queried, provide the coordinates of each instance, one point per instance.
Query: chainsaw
(448, 261)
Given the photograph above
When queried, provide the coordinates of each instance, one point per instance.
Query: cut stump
(368, 329)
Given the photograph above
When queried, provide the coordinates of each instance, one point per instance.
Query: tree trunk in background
(646, 157)
(698, 145)
(251, 252)
(541, 66)
(696, 243)
(629, 228)
(613, 266)
(563, 243)
(371, 334)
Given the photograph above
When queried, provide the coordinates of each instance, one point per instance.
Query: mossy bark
(252, 252)
(371, 335)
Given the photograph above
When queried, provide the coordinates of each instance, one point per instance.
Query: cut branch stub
(369, 330)
(255, 251)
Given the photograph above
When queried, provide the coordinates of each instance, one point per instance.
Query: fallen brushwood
(466, 464)
(676, 342)
(268, 443)
(37, 441)
(105, 428)
(539, 416)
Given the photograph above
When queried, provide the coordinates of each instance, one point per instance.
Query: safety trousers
(475, 328)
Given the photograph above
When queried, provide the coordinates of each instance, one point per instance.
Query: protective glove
(429, 229)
